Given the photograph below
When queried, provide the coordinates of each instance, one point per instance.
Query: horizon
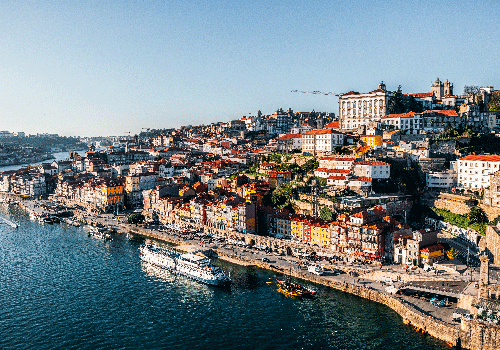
(101, 69)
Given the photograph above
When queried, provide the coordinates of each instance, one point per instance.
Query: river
(57, 156)
(61, 289)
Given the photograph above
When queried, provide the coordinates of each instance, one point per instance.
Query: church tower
(448, 88)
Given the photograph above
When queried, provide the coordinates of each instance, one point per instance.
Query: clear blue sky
(107, 67)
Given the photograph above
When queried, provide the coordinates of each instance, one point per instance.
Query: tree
(494, 104)
(396, 102)
(326, 214)
(477, 216)
(452, 254)
(136, 218)
(471, 91)
(309, 165)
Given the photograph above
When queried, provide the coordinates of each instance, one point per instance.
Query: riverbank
(465, 334)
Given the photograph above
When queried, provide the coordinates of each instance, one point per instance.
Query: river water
(57, 156)
(61, 289)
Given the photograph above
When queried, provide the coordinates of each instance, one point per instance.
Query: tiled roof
(320, 131)
(290, 136)
(484, 158)
(334, 124)
(362, 178)
(339, 159)
(326, 170)
(446, 112)
(368, 162)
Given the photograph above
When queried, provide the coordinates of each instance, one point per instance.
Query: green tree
(494, 104)
(309, 165)
(326, 214)
(136, 218)
(396, 102)
(477, 216)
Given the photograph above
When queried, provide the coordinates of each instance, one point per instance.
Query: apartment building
(474, 171)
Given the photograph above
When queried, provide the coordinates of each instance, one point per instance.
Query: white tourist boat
(190, 265)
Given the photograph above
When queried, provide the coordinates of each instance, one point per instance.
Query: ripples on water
(61, 289)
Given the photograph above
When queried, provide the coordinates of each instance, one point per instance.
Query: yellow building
(296, 228)
(432, 253)
(111, 195)
(320, 234)
(371, 140)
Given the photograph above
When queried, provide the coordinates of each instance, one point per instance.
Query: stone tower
(448, 88)
(437, 88)
(484, 277)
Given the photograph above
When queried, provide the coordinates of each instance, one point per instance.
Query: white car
(317, 270)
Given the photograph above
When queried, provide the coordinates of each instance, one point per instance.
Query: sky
(101, 68)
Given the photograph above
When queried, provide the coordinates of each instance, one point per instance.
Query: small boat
(103, 234)
(293, 289)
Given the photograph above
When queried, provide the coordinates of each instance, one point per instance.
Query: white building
(321, 140)
(359, 109)
(441, 179)
(333, 162)
(372, 169)
(411, 122)
(474, 171)
(290, 142)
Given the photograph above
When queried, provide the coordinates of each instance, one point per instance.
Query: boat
(100, 233)
(190, 265)
(293, 289)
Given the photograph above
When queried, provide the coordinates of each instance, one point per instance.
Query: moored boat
(190, 265)
(293, 289)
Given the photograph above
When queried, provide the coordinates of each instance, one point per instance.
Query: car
(266, 260)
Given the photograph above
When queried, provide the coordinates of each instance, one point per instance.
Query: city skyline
(98, 69)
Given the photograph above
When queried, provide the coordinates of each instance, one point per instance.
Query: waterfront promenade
(368, 282)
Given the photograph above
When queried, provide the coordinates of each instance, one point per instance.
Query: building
(440, 89)
(321, 140)
(441, 179)
(474, 171)
(360, 109)
(371, 140)
(411, 122)
(492, 194)
(372, 169)
(290, 142)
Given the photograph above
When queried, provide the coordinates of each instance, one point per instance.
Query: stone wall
(453, 206)
(480, 335)
(491, 212)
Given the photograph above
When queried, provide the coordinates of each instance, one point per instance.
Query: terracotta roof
(400, 115)
(290, 136)
(483, 158)
(432, 248)
(362, 178)
(337, 178)
(334, 124)
(368, 162)
(320, 131)
(446, 112)
(326, 170)
(339, 159)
